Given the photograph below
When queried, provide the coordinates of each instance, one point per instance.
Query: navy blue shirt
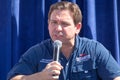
(89, 60)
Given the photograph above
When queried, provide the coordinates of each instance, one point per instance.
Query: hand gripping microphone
(56, 49)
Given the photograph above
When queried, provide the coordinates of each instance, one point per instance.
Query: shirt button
(86, 71)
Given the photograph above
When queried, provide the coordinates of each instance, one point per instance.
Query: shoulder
(90, 43)
(93, 47)
(40, 46)
(38, 49)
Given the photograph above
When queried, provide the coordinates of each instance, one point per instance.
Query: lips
(57, 37)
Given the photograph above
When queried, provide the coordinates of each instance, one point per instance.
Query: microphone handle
(56, 53)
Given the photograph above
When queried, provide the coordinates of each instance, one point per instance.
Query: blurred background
(23, 23)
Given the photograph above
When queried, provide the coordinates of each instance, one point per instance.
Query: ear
(78, 28)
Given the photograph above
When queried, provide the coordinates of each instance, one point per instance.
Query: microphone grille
(57, 43)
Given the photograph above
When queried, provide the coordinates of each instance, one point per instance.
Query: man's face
(61, 26)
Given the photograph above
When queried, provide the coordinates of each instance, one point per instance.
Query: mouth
(57, 37)
(59, 34)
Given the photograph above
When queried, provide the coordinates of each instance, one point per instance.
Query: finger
(53, 67)
(55, 77)
(55, 72)
(56, 63)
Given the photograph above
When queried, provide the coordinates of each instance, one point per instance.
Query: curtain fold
(23, 23)
(5, 37)
(117, 55)
(14, 31)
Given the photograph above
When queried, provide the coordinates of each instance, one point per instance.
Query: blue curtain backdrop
(23, 23)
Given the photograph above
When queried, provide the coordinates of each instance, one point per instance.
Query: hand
(52, 70)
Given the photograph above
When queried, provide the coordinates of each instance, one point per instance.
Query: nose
(59, 28)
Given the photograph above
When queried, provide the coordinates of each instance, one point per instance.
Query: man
(80, 58)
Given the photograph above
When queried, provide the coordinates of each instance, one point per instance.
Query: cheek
(68, 32)
(71, 31)
(50, 28)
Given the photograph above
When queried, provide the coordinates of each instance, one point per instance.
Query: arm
(108, 68)
(51, 69)
(28, 77)
(117, 78)
(18, 77)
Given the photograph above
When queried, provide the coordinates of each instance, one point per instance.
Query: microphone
(56, 49)
(56, 52)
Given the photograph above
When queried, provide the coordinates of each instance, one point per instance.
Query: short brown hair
(72, 7)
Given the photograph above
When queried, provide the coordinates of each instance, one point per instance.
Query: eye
(53, 22)
(65, 24)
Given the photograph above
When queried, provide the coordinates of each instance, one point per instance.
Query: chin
(56, 38)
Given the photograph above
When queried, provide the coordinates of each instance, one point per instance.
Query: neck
(67, 49)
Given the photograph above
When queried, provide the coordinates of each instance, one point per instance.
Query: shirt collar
(76, 42)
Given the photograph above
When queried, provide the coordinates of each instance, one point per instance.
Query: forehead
(61, 14)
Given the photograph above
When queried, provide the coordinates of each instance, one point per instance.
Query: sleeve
(108, 68)
(26, 65)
